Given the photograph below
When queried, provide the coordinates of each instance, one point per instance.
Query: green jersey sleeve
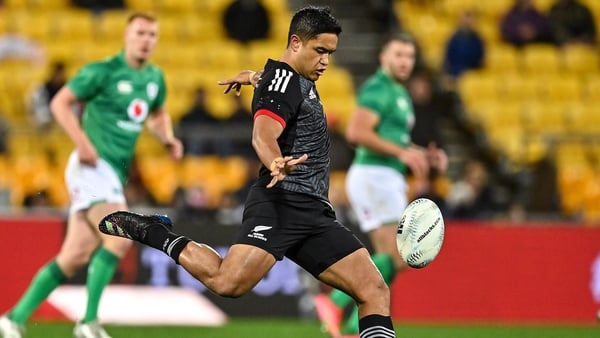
(88, 81)
(374, 97)
(162, 92)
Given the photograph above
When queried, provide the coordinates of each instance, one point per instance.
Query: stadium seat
(478, 85)
(235, 172)
(177, 6)
(518, 86)
(541, 59)
(581, 60)
(142, 5)
(545, 119)
(159, 175)
(111, 24)
(502, 58)
(74, 25)
(560, 87)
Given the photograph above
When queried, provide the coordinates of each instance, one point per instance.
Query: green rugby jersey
(118, 99)
(392, 103)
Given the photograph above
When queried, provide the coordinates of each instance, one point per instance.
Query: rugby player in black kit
(287, 212)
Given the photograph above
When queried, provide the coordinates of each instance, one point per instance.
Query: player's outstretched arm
(244, 78)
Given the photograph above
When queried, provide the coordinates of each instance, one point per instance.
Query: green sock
(385, 265)
(48, 278)
(100, 272)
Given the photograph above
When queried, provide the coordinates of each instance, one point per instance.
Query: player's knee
(376, 291)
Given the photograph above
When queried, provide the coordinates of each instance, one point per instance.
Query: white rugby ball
(420, 233)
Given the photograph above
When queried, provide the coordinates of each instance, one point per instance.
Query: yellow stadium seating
(518, 86)
(159, 175)
(73, 25)
(502, 58)
(560, 87)
(581, 60)
(478, 85)
(541, 59)
(545, 118)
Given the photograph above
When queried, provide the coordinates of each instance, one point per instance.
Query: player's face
(141, 37)
(313, 55)
(398, 59)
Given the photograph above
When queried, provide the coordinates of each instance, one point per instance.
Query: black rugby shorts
(298, 226)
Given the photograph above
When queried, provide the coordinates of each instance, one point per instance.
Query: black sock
(376, 326)
(166, 241)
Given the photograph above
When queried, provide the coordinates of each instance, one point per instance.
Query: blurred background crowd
(509, 88)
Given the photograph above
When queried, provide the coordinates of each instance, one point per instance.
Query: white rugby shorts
(91, 185)
(378, 195)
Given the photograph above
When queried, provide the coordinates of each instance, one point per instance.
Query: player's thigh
(356, 275)
(78, 245)
(116, 245)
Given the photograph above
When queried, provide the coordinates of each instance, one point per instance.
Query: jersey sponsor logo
(280, 81)
(152, 90)
(137, 110)
(257, 232)
(124, 87)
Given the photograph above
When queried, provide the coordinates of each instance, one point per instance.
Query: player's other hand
(281, 166)
(244, 78)
(437, 157)
(416, 159)
(88, 155)
(175, 148)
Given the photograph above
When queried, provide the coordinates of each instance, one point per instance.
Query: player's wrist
(277, 161)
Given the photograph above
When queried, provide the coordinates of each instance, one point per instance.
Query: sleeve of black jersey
(278, 95)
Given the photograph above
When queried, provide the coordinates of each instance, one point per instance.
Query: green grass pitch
(290, 328)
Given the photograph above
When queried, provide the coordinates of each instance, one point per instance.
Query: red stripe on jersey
(271, 115)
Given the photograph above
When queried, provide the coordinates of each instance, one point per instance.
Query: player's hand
(416, 159)
(437, 158)
(175, 148)
(281, 166)
(88, 155)
(244, 78)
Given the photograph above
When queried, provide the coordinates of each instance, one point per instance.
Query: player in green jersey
(121, 95)
(377, 190)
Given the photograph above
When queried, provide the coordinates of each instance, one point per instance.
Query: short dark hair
(398, 36)
(310, 21)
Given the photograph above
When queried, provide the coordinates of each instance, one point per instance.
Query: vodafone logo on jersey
(138, 110)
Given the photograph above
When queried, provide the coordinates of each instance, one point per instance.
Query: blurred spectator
(3, 135)
(471, 196)
(524, 24)
(544, 196)
(135, 191)
(97, 6)
(239, 124)
(247, 20)
(37, 202)
(196, 142)
(428, 106)
(572, 22)
(40, 97)
(15, 46)
(384, 13)
(465, 48)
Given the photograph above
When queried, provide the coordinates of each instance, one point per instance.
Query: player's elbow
(352, 136)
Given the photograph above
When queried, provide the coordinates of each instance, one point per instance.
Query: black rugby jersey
(293, 100)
